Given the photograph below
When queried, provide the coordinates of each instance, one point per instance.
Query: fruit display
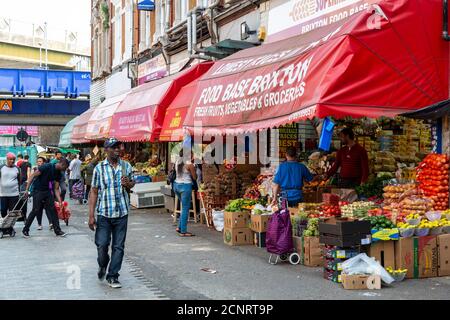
(311, 209)
(358, 209)
(222, 184)
(384, 162)
(320, 164)
(398, 274)
(299, 224)
(432, 175)
(330, 211)
(395, 192)
(261, 186)
(312, 229)
(381, 222)
(147, 168)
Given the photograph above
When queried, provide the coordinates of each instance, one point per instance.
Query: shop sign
(146, 5)
(12, 130)
(287, 137)
(6, 105)
(152, 69)
(301, 16)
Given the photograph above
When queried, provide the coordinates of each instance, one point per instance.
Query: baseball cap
(111, 142)
(10, 155)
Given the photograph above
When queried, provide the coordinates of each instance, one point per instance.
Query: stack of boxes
(237, 230)
(343, 239)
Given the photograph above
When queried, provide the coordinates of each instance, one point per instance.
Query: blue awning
(146, 5)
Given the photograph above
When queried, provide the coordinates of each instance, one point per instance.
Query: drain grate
(136, 272)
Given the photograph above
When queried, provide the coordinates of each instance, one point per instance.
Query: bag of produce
(218, 219)
(362, 264)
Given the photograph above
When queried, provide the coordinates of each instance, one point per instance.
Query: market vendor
(352, 160)
(141, 156)
(289, 179)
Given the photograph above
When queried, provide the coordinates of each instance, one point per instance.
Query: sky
(60, 15)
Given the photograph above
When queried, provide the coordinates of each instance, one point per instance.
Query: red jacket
(353, 162)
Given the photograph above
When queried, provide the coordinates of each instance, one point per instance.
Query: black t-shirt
(23, 170)
(49, 173)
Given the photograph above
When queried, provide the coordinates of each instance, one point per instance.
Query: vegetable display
(432, 175)
(358, 209)
(312, 229)
(374, 187)
(380, 222)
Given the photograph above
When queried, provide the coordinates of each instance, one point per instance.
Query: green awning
(66, 134)
(65, 151)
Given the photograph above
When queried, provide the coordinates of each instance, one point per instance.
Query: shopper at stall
(112, 179)
(45, 176)
(352, 160)
(9, 184)
(289, 179)
(185, 177)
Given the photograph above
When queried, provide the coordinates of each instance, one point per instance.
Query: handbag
(172, 176)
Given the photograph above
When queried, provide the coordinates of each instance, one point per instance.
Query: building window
(117, 38)
(144, 30)
(203, 3)
(181, 10)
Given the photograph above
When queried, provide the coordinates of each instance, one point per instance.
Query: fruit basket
(398, 275)
(421, 232)
(413, 222)
(407, 232)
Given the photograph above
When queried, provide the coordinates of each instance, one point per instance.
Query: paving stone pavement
(47, 267)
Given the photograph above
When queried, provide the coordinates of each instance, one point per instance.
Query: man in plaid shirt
(109, 200)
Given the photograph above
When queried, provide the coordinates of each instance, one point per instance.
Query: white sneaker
(39, 228)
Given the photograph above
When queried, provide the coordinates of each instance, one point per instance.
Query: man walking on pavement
(9, 184)
(111, 181)
(42, 195)
(62, 183)
(25, 172)
(74, 173)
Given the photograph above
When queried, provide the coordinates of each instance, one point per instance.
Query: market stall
(402, 209)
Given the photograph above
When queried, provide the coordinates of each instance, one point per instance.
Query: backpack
(172, 176)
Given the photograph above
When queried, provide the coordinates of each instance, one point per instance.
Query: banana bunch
(413, 216)
(425, 224)
(404, 225)
(398, 271)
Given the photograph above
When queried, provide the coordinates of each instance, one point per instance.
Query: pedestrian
(109, 204)
(43, 197)
(185, 177)
(88, 172)
(289, 179)
(19, 160)
(353, 161)
(9, 184)
(74, 173)
(25, 173)
(62, 183)
(40, 161)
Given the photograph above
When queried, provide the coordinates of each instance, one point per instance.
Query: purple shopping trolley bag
(279, 232)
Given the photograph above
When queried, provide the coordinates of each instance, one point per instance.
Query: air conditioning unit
(147, 195)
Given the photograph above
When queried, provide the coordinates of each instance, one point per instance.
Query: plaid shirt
(113, 201)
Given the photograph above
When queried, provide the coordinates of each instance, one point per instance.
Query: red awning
(172, 129)
(80, 127)
(100, 121)
(372, 65)
(140, 115)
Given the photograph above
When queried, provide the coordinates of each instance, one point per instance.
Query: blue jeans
(117, 228)
(184, 193)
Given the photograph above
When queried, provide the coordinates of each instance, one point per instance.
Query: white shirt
(9, 185)
(185, 175)
(75, 169)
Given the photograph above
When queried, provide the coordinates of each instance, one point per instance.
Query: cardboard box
(344, 232)
(259, 239)
(361, 282)
(236, 220)
(237, 236)
(443, 242)
(310, 251)
(383, 252)
(259, 222)
(419, 255)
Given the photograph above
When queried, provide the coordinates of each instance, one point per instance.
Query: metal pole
(46, 45)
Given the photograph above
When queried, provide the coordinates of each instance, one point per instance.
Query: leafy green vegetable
(373, 187)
